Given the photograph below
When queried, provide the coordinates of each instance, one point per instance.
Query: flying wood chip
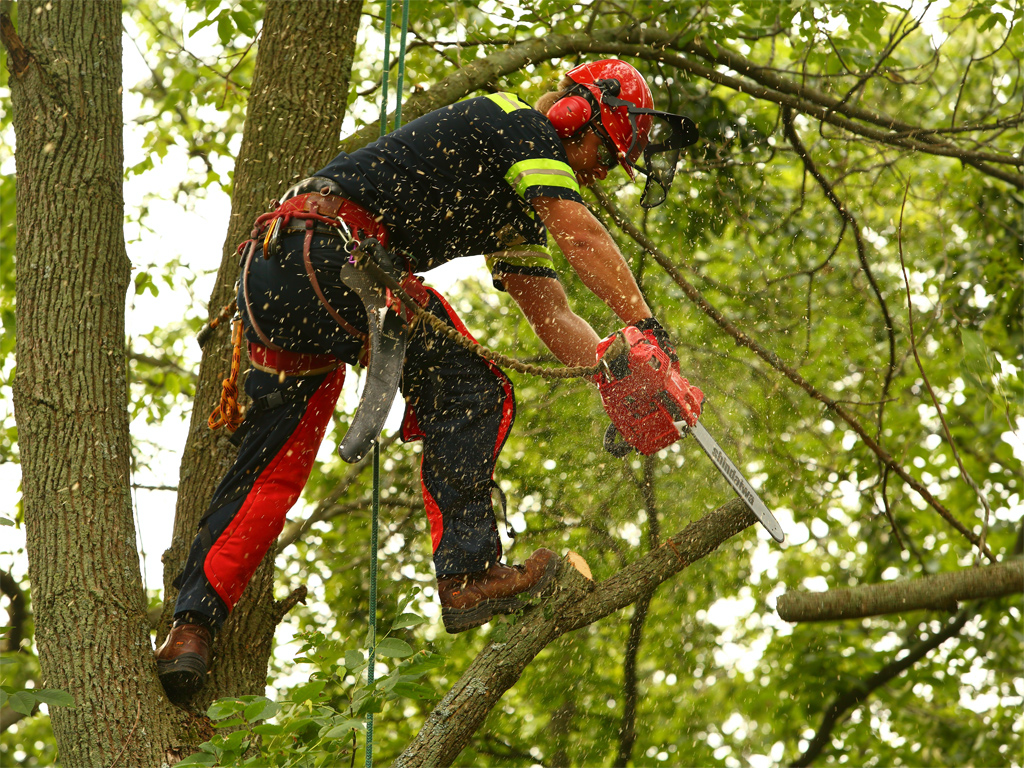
(579, 564)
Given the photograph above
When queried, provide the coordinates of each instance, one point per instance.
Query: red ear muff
(569, 115)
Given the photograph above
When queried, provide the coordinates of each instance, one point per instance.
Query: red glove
(643, 392)
(658, 336)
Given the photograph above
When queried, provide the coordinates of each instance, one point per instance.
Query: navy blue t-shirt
(458, 181)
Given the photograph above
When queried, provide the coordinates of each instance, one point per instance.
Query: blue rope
(376, 445)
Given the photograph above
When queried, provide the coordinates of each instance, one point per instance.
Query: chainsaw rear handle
(615, 444)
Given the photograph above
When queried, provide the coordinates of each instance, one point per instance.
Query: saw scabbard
(370, 277)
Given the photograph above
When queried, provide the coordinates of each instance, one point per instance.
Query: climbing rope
(229, 413)
(439, 325)
(376, 443)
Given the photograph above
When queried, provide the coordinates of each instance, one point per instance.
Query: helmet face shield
(669, 134)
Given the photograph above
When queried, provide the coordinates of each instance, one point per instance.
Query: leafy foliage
(720, 679)
(316, 723)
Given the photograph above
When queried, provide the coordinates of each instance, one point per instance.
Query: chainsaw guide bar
(734, 477)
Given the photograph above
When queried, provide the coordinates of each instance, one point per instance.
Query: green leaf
(244, 22)
(408, 620)
(975, 351)
(225, 29)
(234, 740)
(294, 726)
(343, 729)
(261, 709)
(395, 648)
(222, 708)
(307, 692)
(409, 690)
(199, 758)
(200, 25)
(54, 697)
(6, 521)
(354, 660)
(268, 729)
(22, 702)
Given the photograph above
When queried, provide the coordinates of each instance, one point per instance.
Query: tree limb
(860, 691)
(941, 591)
(17, 612)
(653, 44)
(577, 603)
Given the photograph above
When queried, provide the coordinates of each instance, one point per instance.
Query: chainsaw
(652, 406)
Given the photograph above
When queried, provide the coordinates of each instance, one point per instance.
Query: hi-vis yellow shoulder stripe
(508, 101)
(549, 173)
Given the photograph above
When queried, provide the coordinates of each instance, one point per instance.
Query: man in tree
(486, 175)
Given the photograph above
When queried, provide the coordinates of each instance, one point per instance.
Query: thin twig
(138, 716)
(847, 215)
(935, 400)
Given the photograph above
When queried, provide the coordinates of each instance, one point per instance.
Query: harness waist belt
(323, 208)
(318, 229)
(290, 363)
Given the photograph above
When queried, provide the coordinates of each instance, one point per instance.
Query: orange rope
(228, 414)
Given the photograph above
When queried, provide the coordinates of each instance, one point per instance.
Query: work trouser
(460, 405)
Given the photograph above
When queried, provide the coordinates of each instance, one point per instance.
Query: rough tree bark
(940, 592)
(70, 392)
(293, 125)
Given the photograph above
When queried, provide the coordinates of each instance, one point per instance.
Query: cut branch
(940, 592)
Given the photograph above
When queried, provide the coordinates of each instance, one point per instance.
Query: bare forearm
(543, 301)
(594, 256)
(605, 273)
(571, 339)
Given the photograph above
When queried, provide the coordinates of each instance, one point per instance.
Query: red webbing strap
(311, 274)
(290, 363)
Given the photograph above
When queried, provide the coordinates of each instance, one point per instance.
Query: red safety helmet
(615, 91)
(602, 79)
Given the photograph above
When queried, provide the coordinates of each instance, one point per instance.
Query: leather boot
(471, 599)
(183, 660)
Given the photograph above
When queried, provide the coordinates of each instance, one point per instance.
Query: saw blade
(735, 478)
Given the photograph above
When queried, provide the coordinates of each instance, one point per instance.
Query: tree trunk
(70, 390)
(293, 124)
